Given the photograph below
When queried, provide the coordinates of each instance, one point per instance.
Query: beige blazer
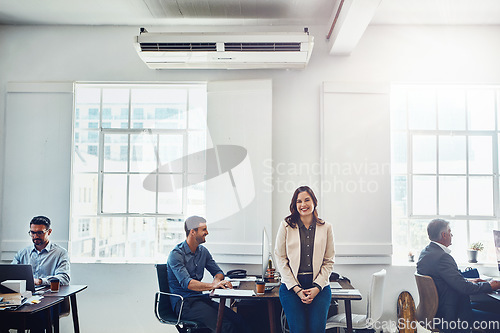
(287, 254)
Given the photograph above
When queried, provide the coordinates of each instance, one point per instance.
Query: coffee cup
(260, 286)
(54, 284)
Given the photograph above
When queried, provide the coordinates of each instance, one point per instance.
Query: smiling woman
(304, 255)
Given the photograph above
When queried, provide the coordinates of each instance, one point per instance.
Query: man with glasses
(48, 259)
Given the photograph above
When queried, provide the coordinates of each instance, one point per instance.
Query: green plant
(477, 246)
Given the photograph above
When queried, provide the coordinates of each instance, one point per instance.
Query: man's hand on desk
(224, 284)
(495, 284)
(217, 283)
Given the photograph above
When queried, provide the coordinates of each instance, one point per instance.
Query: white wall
(385, 54)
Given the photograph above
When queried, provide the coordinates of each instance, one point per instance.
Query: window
(132, 186)
(106, 114)
(445, 158)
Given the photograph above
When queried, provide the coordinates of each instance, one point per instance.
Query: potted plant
(474, 249)
(411, 257)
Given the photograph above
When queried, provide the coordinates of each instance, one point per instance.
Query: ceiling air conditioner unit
(224, 50)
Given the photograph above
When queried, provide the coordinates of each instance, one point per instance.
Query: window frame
(174, 220)
(409, 216)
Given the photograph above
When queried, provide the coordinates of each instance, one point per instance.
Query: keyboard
(495, 295)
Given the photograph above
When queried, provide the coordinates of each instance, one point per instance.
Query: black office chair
(163, 307)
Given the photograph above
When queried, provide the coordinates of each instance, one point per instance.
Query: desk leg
(49, 320)
(56, 323)
(270, 311)
(220, 314)
(348, 315)
(56, 318)
(22, 325)
(74, 313)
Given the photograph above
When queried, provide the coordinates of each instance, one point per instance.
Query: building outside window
(445, 156)
(131, 159)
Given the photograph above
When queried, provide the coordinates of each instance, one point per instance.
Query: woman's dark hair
(294, 217)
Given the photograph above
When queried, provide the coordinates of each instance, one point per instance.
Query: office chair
(163, 307)
(429, 301)
(65, 308)
(374, 307)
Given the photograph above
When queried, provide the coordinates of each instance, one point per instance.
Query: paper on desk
(335, 285)
(11, 299)
(233, 292)
(346, 292)
(248, 278)
(34, 299)
(489, 278)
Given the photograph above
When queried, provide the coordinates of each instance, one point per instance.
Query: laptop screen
(17, 272)
(496, 236)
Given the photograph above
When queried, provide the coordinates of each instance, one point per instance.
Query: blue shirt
(52, 261)
(184, 266)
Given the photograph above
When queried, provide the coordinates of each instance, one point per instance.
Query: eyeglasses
(38, 233)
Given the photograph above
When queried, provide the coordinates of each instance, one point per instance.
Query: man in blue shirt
(185, 266)
(47, 259)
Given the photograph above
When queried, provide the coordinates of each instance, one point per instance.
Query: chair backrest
(161, 271)
(375, 305)
(165, 310)
(429, 299)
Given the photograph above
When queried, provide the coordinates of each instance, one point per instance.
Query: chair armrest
(157, 300)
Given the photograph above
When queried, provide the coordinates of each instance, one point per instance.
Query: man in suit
(453, 289)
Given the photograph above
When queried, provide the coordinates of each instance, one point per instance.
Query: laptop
(496, 237)
(17, 272)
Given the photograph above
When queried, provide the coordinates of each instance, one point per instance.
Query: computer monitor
(496, 237)
(266, 252)
(17, 272)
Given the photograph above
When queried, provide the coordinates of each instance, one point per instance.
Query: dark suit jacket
(453, 289)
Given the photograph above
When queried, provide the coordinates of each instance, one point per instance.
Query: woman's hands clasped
(307, 295)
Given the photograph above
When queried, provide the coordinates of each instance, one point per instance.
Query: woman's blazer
(287, 254)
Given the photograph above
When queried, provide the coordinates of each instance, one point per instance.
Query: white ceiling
(437, 12)
(240, 12)
(166, 12)
(352, 20)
